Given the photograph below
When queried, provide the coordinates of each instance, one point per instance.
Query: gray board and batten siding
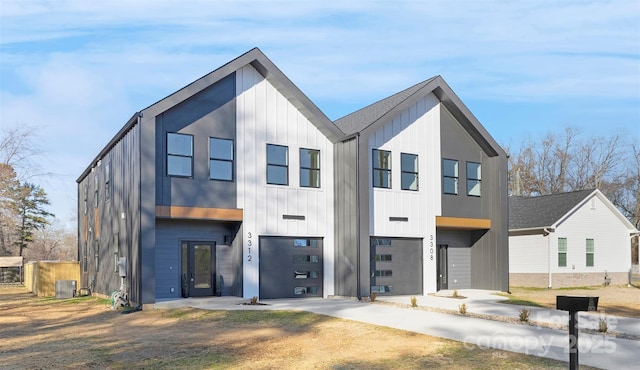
(489, 248)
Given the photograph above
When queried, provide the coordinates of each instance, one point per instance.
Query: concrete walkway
(602, 351)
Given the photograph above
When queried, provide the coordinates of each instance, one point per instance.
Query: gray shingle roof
(544, 210)
(360, 119)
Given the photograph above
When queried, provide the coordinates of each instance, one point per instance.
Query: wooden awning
(199, 213)
(462, 223)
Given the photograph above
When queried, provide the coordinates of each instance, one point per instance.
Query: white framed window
(590, 252)
(562, 252)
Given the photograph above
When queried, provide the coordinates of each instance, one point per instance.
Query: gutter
(358, 239)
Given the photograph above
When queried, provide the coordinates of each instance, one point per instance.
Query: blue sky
(78, 70)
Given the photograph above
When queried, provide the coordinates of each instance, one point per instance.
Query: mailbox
(574, 304)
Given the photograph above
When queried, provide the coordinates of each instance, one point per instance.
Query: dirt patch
(84, 333)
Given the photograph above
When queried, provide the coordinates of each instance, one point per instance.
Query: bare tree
(567, 162)
(53, 243)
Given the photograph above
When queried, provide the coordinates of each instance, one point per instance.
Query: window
(86, 196)
(382, 258)
(590, 252)
(179, 155)
(107, 182)
(220, 159)
(409, 168)
(474, 177)
(381, 169)
(116, 258)
(84, 257)
(97, 256)
(95, 190)
(301, 243)
(277, 164)
(562, 252)
(309, 168)
(382, 273)
(450, 176)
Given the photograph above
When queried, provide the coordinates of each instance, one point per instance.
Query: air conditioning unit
(65, 289)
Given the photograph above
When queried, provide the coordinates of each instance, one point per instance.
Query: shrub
(254, 300)
(463, 308)
(524, 314)
(373, 296)
(603, 326)
(414, 302)
(455, 293)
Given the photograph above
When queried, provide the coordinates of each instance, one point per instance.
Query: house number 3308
(249, 245)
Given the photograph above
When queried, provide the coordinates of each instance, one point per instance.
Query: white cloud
(80, 69)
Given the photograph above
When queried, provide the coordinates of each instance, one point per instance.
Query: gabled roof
(370, 118)
(544, 210)
(548, 211)
(265, 67)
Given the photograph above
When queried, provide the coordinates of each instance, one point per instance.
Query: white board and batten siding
(593, 220)
(416, 130)
(530, 254)
(264, 116)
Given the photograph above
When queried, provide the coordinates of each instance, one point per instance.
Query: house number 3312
(249, 245)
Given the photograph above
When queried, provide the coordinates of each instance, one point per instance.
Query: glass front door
(198, 269)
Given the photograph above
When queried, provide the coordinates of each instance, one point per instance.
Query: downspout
(547, 231)
(358, 239)
(139, 267)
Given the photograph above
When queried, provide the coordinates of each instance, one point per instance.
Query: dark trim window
(409, 168)
(179, 155)
(381, 169)
(309, 168)
(86, 197)
(277, 164)
(107, 182)
(450, 176)
(116, 257)
(97, 256)
(590, 252)
(562, 252)
(220, 159)
(96, 182)
(474, 179)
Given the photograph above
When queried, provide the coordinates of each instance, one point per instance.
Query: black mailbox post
(573, 305)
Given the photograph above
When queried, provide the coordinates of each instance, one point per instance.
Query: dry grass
(617, 300)
(84, 333)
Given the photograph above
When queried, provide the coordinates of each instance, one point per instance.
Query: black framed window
(309, 168)
(277, 164)
(381, 169)
(96, 182)
(409, 168)
(220, 159)
(107, 181)
(474, 179)
(179, 155)
(450, 176)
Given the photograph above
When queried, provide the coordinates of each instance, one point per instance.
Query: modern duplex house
(239, 185)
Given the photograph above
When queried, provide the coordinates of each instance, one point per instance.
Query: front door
(198, 269)
(443, 263)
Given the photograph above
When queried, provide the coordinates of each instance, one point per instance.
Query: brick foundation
(566, 280)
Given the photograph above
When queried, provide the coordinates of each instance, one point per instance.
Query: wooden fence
(40, 277)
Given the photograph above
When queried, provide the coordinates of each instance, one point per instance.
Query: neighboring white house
(569, 239)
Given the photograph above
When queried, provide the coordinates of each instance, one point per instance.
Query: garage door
(396, 266)
(290, 267)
